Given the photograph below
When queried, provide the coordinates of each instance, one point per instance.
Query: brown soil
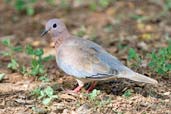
(15, 97)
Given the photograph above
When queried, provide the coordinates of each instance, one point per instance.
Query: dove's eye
(54, 25)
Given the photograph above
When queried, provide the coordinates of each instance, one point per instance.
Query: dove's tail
(139, 77)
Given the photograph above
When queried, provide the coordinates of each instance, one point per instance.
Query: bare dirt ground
(111, 27)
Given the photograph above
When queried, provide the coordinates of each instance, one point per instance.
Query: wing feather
(85, 59)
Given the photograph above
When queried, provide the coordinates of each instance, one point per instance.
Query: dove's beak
(44, 32)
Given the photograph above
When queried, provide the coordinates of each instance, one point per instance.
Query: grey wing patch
(112, 72)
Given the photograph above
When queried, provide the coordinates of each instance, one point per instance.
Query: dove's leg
(91, 87)
(77, 89)
(80, 85)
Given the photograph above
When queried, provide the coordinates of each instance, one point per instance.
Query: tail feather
(140, 78)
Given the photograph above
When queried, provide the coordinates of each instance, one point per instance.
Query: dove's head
(55, 27)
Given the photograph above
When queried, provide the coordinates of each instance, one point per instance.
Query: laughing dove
(85, 60)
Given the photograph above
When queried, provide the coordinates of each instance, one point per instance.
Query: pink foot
(76, 90)
(91, 87)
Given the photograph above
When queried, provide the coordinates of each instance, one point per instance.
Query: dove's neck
(60, 38)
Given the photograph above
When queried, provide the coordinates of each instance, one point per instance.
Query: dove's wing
(85, 59)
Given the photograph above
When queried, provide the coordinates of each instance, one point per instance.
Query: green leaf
(36, 92)
(2, 75)
(5, 53)
(104, 3)
(46, 101)
(19, 5)
(132, 54)
(23, 70)
(34, 63)
(94, 94)
(49, 91)
(6, 42)
(30, 11)
(29, 50)
(38, 52)
(44, 79)
(160, 71)
(54, 96)
(13, 64)
(168, 67)
(42, 94)
(41, 70)
(17, 48)
(127, 93)
(93, 6)
(151, 64)
(36, 69)
(50, 57)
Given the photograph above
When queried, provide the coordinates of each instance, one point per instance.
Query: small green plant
(47, 94)
(94, 5)
(12, 49)
(134, 57)
(132, 54)
(13, 65)
(44, 78)
(11, 52)
(25, 5)
(92, 96)
(36, 66)
(160, 61)
(127, 93)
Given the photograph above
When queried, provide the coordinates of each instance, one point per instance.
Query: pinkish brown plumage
(85, 60)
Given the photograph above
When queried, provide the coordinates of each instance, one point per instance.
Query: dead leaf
(146, 36)
(111, 11)
(66, 96)
(36, 43)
